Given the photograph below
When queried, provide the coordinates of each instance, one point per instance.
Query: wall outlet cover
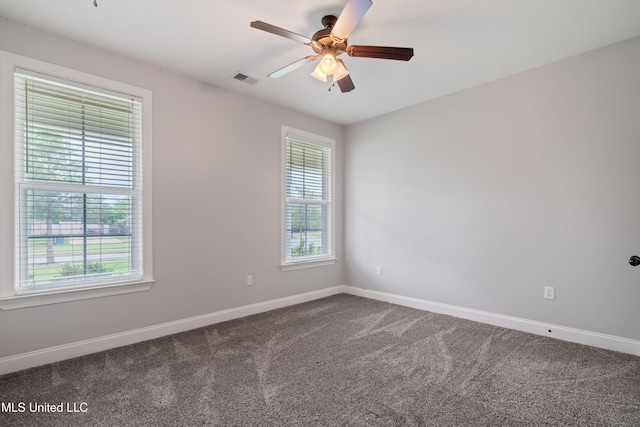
(549, 292)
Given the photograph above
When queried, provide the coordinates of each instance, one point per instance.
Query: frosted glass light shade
(341, 70)
(328, 63)
(318, 74)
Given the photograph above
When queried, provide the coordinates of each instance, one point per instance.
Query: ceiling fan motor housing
(322, 39)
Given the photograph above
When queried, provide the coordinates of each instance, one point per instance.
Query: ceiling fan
(331, 41)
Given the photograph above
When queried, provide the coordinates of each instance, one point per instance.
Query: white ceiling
(457, 43)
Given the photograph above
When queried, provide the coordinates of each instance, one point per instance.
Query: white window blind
(308, 209)
(78, 184)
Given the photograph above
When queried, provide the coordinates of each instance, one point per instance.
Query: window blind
(308, 201)
(78, 184)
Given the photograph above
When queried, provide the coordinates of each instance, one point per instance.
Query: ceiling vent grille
(245, 79)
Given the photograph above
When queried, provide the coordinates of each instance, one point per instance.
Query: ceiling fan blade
(280, 32)
(346, 85)
(293, 66)
(383, 52)
(349, 18)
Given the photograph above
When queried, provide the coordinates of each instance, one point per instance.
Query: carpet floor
(337, 361)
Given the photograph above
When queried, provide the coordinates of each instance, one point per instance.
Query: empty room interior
(338, 212)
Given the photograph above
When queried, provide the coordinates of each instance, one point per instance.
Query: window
(307, 202)
(81, 199)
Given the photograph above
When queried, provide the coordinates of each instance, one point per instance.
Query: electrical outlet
(549, 292)
(378, 271)
(250, 280)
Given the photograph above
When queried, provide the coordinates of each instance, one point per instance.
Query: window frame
(320, 141)
(10, 297)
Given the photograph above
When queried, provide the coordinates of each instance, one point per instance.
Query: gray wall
(478, 199)
(481, 198)
(216, 203)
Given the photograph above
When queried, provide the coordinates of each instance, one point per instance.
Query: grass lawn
(73, 247)
(43, 272)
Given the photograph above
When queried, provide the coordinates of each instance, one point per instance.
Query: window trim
(311, 138)
(9, 297)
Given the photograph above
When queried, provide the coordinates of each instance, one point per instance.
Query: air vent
(246, 79)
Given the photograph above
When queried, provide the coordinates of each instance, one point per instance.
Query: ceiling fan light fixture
(328, 63)
(318, 74)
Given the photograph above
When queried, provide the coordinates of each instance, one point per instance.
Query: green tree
(116, 213)
(305, 216)
(49, 159)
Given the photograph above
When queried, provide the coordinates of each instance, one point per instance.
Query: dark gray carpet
(338, 361)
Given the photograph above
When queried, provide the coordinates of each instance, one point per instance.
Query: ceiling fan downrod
(329, 21)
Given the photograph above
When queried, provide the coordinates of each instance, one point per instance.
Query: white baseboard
(609, 342)
(82, 348)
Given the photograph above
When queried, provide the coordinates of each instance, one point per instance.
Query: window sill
(56, 297)
(307, 264)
